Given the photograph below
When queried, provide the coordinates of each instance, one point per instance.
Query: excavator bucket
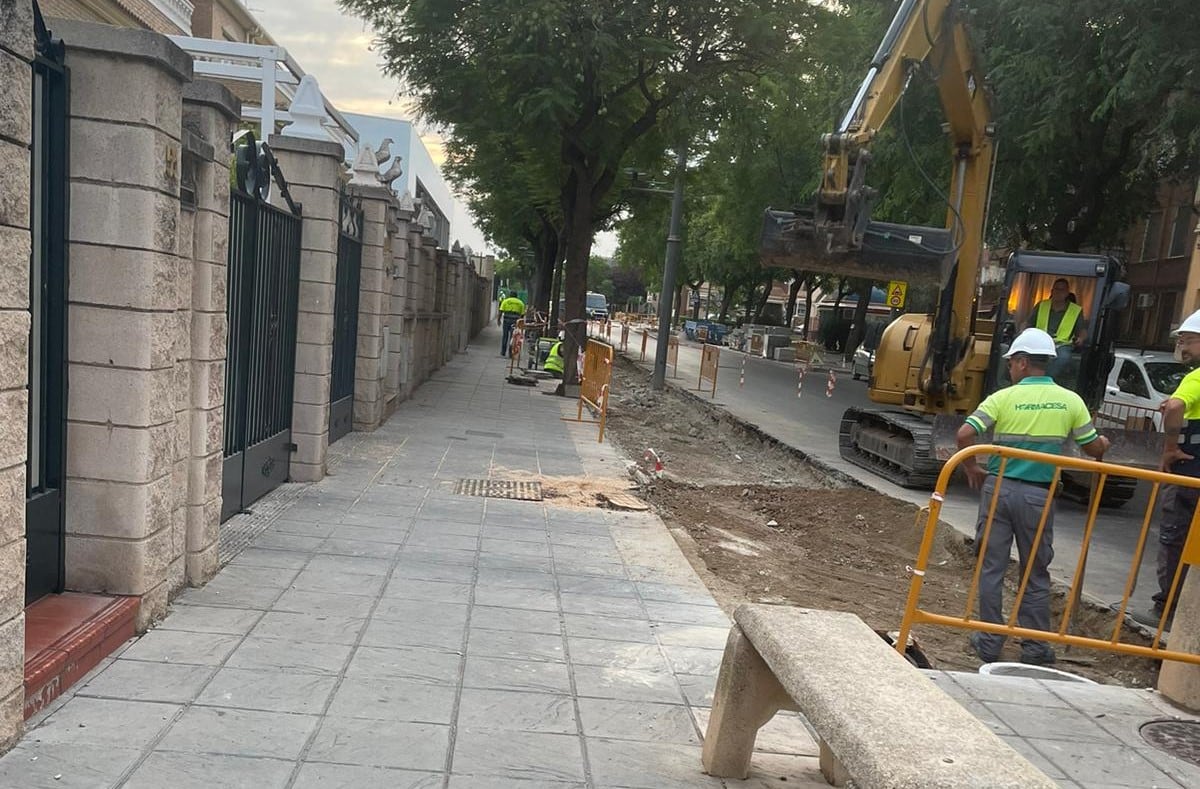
(886, 251)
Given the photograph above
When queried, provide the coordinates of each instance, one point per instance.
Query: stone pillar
(313, 169)
(123, 305)
(398, 312)
(210, 113)
(16, 51)
(374, 302)
(1180, 682)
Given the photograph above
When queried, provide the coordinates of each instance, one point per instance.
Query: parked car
(862, 363)
(597, 306)
(1140, 381)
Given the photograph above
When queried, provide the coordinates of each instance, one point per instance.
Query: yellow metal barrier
(710, 359)
(594, 386)
(915, 615)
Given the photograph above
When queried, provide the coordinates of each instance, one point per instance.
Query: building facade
(1160, 262)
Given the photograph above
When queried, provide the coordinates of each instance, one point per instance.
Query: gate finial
(307, 111)
(364, 171)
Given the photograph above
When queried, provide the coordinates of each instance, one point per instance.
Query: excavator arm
(837, 235)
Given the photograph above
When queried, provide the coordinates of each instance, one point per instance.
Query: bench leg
(748, 696)
(835, 774)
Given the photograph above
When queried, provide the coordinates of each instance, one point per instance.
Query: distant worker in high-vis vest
(1035, 414)
(1061, 318)
(511, 310)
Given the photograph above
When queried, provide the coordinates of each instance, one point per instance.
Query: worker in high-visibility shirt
(1180, 455)
(1035, 414)
(511, 310)
(1062, 319)
(554, 362)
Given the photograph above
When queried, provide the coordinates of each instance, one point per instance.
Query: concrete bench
(880, 722)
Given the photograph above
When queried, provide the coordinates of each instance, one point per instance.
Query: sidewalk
(379, 630)
(382, 631)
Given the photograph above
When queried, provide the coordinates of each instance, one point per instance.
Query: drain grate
(1181, 739)
(500, 489)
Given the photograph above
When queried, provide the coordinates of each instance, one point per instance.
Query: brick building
(1161, 248)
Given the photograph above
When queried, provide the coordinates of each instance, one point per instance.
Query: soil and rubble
(759, 523)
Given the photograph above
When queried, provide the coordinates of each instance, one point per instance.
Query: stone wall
(210, 113)
(16, 51)
(146, 317)
(313, 169)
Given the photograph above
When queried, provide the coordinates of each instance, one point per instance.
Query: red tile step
(66, 636)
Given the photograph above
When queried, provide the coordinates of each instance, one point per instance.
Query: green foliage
(1096, 101)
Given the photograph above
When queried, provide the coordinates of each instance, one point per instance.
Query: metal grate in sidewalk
(240, 530)
(500, 489)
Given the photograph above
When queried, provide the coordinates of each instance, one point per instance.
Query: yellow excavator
(934, 369)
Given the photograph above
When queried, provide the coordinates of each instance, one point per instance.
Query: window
(1151, 239)
(1131, 381)
(1165, 377)
(1180, 235)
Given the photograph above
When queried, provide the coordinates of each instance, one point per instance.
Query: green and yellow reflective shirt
(1188, 392)
(1035, 414)
(513, 306)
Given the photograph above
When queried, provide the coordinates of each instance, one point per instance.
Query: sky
(335, 48)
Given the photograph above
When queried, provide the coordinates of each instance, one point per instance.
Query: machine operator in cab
(1036, 414)
(1061, 318)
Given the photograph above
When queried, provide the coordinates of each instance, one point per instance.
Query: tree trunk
(793, 293)
(728, 291)
(859, 329)
(810, 285)
(766, 296)
(575, 269)
(546, 250)
(695, 297)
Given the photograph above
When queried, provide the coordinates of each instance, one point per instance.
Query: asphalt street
(809, 422)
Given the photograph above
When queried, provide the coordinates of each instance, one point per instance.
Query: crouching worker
(554, 361)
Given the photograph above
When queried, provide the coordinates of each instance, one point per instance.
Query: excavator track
(897, 446)
(900, 447)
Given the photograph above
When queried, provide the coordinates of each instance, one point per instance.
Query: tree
(580, 82)
(1096, 101)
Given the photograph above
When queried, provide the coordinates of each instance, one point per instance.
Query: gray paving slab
(203, 771)
(135, 680)
(381, 743)
(315, 775)
(518, 755)
(289, 655)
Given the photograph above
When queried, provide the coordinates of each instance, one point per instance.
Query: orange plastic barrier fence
(594, 386)
(673, 355)
(624, 336)
(645, 337)
(922, 573)
(710, 359)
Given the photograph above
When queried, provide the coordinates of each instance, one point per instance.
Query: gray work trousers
(1179, 505)
(1017, 514)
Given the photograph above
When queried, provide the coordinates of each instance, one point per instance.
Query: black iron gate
(46, 465)
(263, 297)
(345, 318)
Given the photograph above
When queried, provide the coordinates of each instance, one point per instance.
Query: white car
(1140, 381)
(862, 363)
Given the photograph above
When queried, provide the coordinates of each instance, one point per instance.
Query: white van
(597, 306)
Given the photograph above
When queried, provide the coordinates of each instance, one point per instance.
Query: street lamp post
(666, 299)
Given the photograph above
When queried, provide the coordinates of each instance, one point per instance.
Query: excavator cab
(1076, 299)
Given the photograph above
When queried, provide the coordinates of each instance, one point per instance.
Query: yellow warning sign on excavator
(896, 293)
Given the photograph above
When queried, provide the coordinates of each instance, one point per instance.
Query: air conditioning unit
(1145, 301)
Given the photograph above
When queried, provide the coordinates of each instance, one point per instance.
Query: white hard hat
(1190, 324)
(1034, 342)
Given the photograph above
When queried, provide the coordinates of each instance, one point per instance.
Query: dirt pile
(760, 524)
